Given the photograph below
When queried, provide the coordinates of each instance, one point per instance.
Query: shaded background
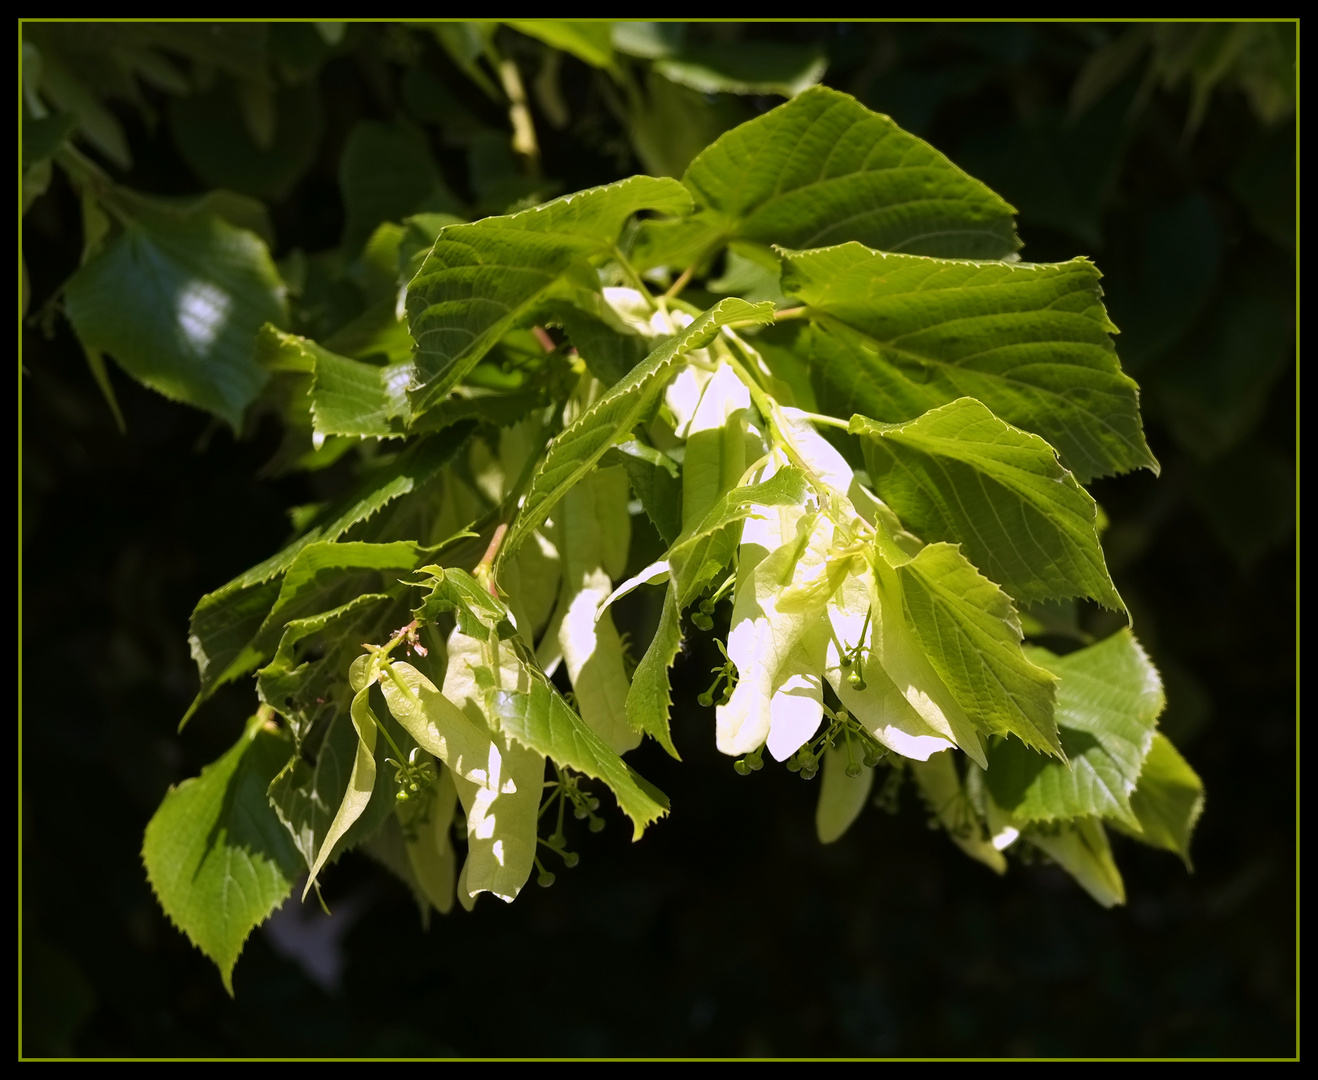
(728, 930)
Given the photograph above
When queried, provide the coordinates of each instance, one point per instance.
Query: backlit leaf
(217, 857)
(479, 280)
(960, 474)
(895, 336)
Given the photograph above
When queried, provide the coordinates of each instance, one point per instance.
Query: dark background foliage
(728, 930)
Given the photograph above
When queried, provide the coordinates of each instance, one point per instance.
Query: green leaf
(654, 478)
(713, 424)
(453, 589)
(541, 720)
(1081, 848)
(481, 280)
(708, 548)
(295, 689)
(321, 570)
(177, 301)
(1108, 701)
(430, 851)
(895, 336)
(309, 791)
(822, 169)
(972, 637)
(587, 40)
(501, 790)
(225, 622)
(610, 352)
(610, 419)
(223, 626)
(669, 125)
(904, 336)
(902, 701)
(216, 855)
(214, 135)
(841, 797)
(1168, 799)
(749, 67)
(361, 783)
(69, 93)
(520, 701)
(649, 698)
(42, 137)
(592, 519)
(466, 43)
(386, 174)
(945, 793)
(958, 473)
(348, 397)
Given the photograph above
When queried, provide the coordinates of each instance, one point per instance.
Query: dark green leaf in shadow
(214, 138)
(177, 301)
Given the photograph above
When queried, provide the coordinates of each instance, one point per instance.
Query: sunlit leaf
(960, 474)
(479, 280)
(1108, 700)
(216, 855)
(895, 336)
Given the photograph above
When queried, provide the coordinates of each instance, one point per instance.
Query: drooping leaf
(361, 782)
(655, 479)
(541, 720)
(707, 549)
(972, 638)
(895, 336)
(223, 626)
(525, 706)
(311, 788)
(960, 474)
(302, 684)
(1168, 799)
(715, 455)
(499, 782)
(1108, 700)
(822, 169)
(479, 280)
(217, 857)
(1081, 848)
(945, 793)
(764, 632)
(430, 851)
(592, 518)
(649, 698)
(177, 301)
(610, 419)
(912, 717)
(841, 797)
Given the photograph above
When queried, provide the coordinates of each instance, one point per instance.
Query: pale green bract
(854, 462)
